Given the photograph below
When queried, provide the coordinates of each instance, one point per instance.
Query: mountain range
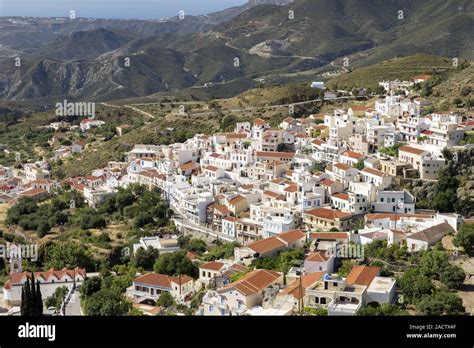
(229, 51)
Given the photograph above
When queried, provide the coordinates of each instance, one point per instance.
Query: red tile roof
(329, 214)
(393, 217)
(34, 192)
(259, 122)
(412, 150)
(253, 282)
(328, 235)
(237, 200)
(318, 256)
(343, 196)
(362, 275)
(275, 154)
(372, 171)
(213, 265)
(161, 280)
(291, 236)
(18, 278)
(266, 245)
(342, 166)
(297, 288)
(353, 154)
(211, 168)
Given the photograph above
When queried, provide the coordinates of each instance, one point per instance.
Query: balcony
(343, 308)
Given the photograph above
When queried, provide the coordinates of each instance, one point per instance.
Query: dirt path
(466, 293)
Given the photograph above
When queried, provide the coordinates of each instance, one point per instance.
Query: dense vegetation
(398, 68)
(105, 296)
(418, 288)
(451, 193)
(281, 263)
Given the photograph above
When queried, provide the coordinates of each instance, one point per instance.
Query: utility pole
(179, 278)
(301, 296)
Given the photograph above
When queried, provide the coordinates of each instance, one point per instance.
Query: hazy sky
(144, 9)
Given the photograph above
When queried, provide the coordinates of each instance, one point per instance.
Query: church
(49, 280)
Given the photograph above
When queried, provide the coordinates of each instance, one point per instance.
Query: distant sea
(120, 9)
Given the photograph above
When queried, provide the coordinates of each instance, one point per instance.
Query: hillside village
(327, 191)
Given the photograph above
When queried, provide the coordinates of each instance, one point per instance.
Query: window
(211, 308)
(334, 283)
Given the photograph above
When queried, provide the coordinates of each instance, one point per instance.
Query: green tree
(90, 285)
(359, 165)
(176, 263)
(290, 258)
(26, 305)
(222, 251)
(345, 267)
(38, 300)
(442, 302)
(445, 191)
(452, 276)
(265, 262)
(145, 258)
(43, 228)
(142, 219)
(375, 309)
(465, 238)
(165, 300)
(196, 245)
(435, 264)
(106, 302)
(32, 303)
(69, 255)
(413, 284)
(57, 298)
(316, 311)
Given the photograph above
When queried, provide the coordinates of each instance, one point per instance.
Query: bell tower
(15, 259)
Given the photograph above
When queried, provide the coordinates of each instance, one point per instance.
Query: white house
(163, 245)
(319, 261)
(151, 285)
(394, 202)
(241, 295)
(49, 281)
(426, 238)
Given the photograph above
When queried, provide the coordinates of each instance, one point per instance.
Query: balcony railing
(344, 307)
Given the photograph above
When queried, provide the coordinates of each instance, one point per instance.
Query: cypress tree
(33, 294)
(27, 308)
(33, 286)
(23, 301)
(39, 300)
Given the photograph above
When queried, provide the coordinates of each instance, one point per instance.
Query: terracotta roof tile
(362, 275)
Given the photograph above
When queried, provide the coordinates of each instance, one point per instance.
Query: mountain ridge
(255, 43)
